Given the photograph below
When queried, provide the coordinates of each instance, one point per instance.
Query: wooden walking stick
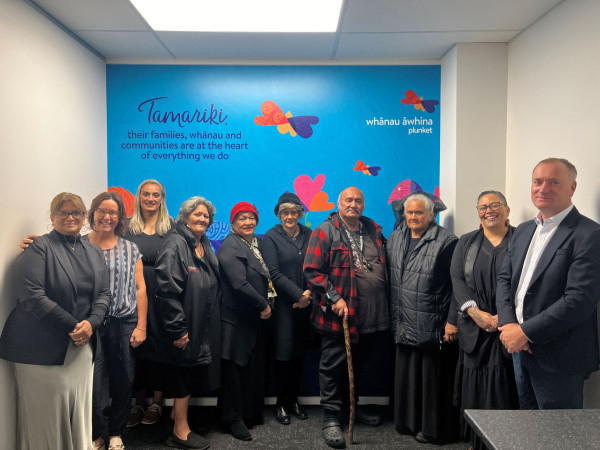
(350, 380)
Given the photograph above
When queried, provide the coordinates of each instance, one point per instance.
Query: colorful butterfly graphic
(286, 123)
(367, 170)
(423, 105)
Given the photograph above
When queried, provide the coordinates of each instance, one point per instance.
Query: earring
(507, 223)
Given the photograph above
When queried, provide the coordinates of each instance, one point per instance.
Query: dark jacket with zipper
(188, 294)
(328, 267)
(421, 289)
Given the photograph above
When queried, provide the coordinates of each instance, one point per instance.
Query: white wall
(473, 133)
(52, 139)
(554, 110)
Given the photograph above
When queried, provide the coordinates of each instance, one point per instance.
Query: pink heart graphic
(306, 188)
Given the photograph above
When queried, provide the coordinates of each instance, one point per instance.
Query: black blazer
(559, 311)
(463, 285)
(245, 289)
(37, 330)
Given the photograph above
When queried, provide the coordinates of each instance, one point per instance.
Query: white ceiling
(369, 29)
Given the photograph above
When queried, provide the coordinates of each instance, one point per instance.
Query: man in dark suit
(547, 294)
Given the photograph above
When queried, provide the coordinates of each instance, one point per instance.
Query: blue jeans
(541, 389)
(114, 371)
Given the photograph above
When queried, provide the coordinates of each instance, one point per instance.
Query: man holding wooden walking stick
(345, 268)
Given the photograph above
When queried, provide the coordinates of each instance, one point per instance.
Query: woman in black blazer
(63, 294)
(484, 373)
(246, 306)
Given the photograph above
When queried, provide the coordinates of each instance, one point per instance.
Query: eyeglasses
(492, 206)
(103, 212)
(77, 215)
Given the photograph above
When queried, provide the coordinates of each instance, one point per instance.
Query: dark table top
(545, 429)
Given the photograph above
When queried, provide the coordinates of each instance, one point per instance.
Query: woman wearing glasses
(484, 375)
(63, 293)
(124, 326)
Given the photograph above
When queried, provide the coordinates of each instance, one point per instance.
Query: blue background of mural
(344, 98)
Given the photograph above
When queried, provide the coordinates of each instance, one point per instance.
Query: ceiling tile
(248, 45)
(95, 14)
(446, 15)
(410, 45)
(125, 44)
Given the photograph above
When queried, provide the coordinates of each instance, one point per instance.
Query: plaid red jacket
(328, 268)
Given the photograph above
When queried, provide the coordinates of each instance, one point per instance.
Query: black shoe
(193, 441)
(282, 416)
(299, 411)
(368, 418)
(424, 439)
(253, 421)
(239, 431)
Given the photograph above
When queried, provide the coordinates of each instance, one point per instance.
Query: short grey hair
(570, 167)
(190, 205)
(290, 205)
(339, 200)
(421, 197)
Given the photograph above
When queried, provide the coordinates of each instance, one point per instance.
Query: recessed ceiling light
(260, 16)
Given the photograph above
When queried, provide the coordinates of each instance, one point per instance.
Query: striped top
(121, 261)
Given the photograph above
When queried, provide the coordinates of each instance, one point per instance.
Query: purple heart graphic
(302, 125)
(429, 105)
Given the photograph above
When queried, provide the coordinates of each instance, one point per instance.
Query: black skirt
(423, 389)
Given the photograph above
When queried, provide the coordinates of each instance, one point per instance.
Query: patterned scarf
(254, 247)
(356, 246)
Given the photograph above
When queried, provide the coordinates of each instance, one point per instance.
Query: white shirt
(543, 233)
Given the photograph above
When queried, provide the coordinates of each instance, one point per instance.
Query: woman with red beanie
(248, 295)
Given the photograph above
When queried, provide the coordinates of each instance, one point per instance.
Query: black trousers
(287, 380)
(242, 394)
(114, 371)
(333, 368)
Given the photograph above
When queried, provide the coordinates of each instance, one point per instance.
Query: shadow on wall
(447, 221)
(8, 412)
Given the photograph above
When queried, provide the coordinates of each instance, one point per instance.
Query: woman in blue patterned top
(124, 326)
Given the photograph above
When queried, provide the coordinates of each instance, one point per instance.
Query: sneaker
(152, 414)
(135, 416)
(116, 444)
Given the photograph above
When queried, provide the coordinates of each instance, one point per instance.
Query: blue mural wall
(232, 133)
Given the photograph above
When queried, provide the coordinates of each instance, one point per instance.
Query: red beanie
(242, 207)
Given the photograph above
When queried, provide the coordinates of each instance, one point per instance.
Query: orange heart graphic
(320, 202)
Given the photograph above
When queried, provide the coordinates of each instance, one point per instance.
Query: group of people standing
(202, 319)
(499, 318)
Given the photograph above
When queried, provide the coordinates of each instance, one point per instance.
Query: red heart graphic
(272, 114)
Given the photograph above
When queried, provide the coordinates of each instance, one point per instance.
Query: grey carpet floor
(300, 434)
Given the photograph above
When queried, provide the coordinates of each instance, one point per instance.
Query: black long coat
(284, 260)
(245, 289)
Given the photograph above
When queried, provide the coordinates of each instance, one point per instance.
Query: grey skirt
(54, 403)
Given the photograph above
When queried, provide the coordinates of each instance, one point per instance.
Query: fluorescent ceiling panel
(266, 16)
